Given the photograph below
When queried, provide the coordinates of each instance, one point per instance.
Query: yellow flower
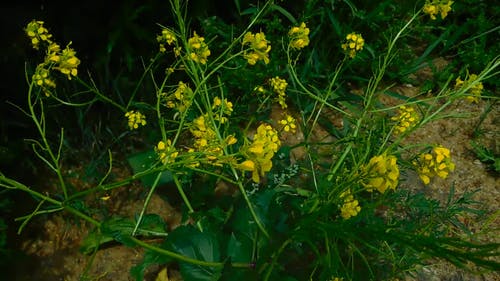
(180, 99)
(198, 49)
(299, 36)
(437, 163)
(230, 140)
(279, 87)
(258, 48)
(434, 7)
(135, 119)
(37, 33)
(474, 91)
(407, 118)
(68, 62)
(353, 44)
(288, 124)
(42, 79)
(166, 37)
(444, 8)
(222, 108)
(381, 173)
(166, 152)
(260, 152)
(350, 207)
(431, 10)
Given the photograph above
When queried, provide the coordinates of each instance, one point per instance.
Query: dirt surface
(470, 175)
(55, 249)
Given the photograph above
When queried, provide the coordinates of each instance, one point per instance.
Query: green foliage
(143, 161)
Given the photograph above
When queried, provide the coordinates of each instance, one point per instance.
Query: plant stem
(187, 259)
(185, 199)
(40, 125)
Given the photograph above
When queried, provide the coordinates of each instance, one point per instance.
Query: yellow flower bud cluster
(166, 152)
(474, 91)
(167, 37)
(135, 119)
(299, 36)
(198, 49)
(181, 98)
(204, 133)
(221, 109)
(437, 163)
(434, 7)
(353, 44)
(42, 79)
(278, 86)
(407, 118)
(258, 49)
(288, 124)
(381, 173)
(260, 152)
(65, 61)
(38, 33)
(350, 207)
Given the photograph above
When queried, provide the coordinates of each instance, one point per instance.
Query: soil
(54, 250)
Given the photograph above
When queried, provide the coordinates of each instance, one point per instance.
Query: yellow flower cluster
(205, 136)
(407, 118)
(279, 87)
(203, 132)
(167, 37)
(181, 98)
(299, 36)
(353, 44)
(474, 91)
(381, 173)
(437, 163)
(37, 33)
(258, 48)
(198, 49)
(350, 207)
(288, 124)
(166, 152)
(433, 7)
(260, 152)
(65, 61)
(221, 109)
(43, 80)
(135, 119)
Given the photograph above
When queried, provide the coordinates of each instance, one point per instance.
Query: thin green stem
(12, 184)
(275, 258)
(101, 95)
(40, 125)
(146, 202)
(185, 199)
(182, 258)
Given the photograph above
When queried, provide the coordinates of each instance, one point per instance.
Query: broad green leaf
(239, 248)
(120, 229)
(190, 242)
(143, 161)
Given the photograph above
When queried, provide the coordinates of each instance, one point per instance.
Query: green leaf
(120, 229)
(239, 248)
(284, 12)
(143, 161)
(93, 241)
(150, 258)
(190, 242)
